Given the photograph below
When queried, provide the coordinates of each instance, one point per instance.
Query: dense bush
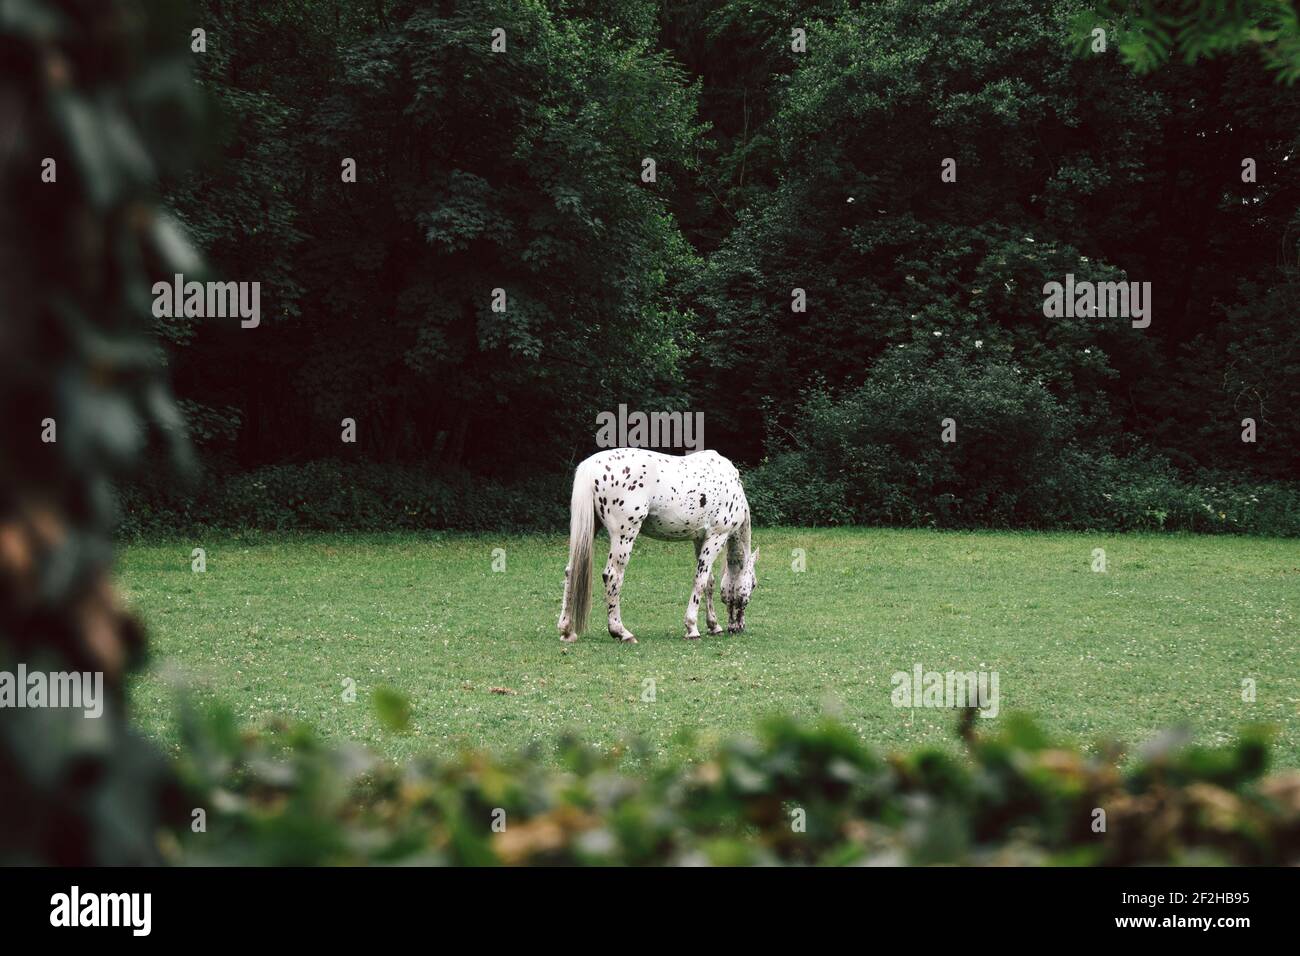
(287, 798)
(881, 442)
(1021, 458)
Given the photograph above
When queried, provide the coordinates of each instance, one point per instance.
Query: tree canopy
(501, 269)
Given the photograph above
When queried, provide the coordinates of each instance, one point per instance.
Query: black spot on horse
(701, 501)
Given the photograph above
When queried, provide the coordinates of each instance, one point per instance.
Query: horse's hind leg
(620, 550)
(710, 617)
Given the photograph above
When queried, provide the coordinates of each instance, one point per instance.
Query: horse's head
(737, 588)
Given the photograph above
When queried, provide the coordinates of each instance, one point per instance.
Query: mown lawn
(277, 624)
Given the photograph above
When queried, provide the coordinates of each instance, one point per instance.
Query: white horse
(670, 498)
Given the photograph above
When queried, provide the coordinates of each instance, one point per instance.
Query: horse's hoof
(627, 640)
(716, 629)
(693, 636)
(569, 638)
(734, 628)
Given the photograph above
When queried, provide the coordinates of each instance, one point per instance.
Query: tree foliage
(778, 169)
(476, 171)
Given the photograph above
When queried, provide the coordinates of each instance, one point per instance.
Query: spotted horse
(633, 491)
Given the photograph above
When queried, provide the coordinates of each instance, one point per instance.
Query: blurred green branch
(796, 794)
(1151, 32)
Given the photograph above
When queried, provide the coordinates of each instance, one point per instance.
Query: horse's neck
(738, 547)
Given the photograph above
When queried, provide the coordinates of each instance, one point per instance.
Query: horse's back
(626, 457)
(700, 465)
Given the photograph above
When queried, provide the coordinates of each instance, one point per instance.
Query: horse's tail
(582, 529)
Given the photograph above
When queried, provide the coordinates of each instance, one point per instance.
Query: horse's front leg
(707, 554)
(714, 627)
(620, 551)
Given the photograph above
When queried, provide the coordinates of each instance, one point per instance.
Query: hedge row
(796, 794)
(1083, 492)
(334, 495)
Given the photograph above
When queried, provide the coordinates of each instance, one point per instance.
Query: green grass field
(1167, 635)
